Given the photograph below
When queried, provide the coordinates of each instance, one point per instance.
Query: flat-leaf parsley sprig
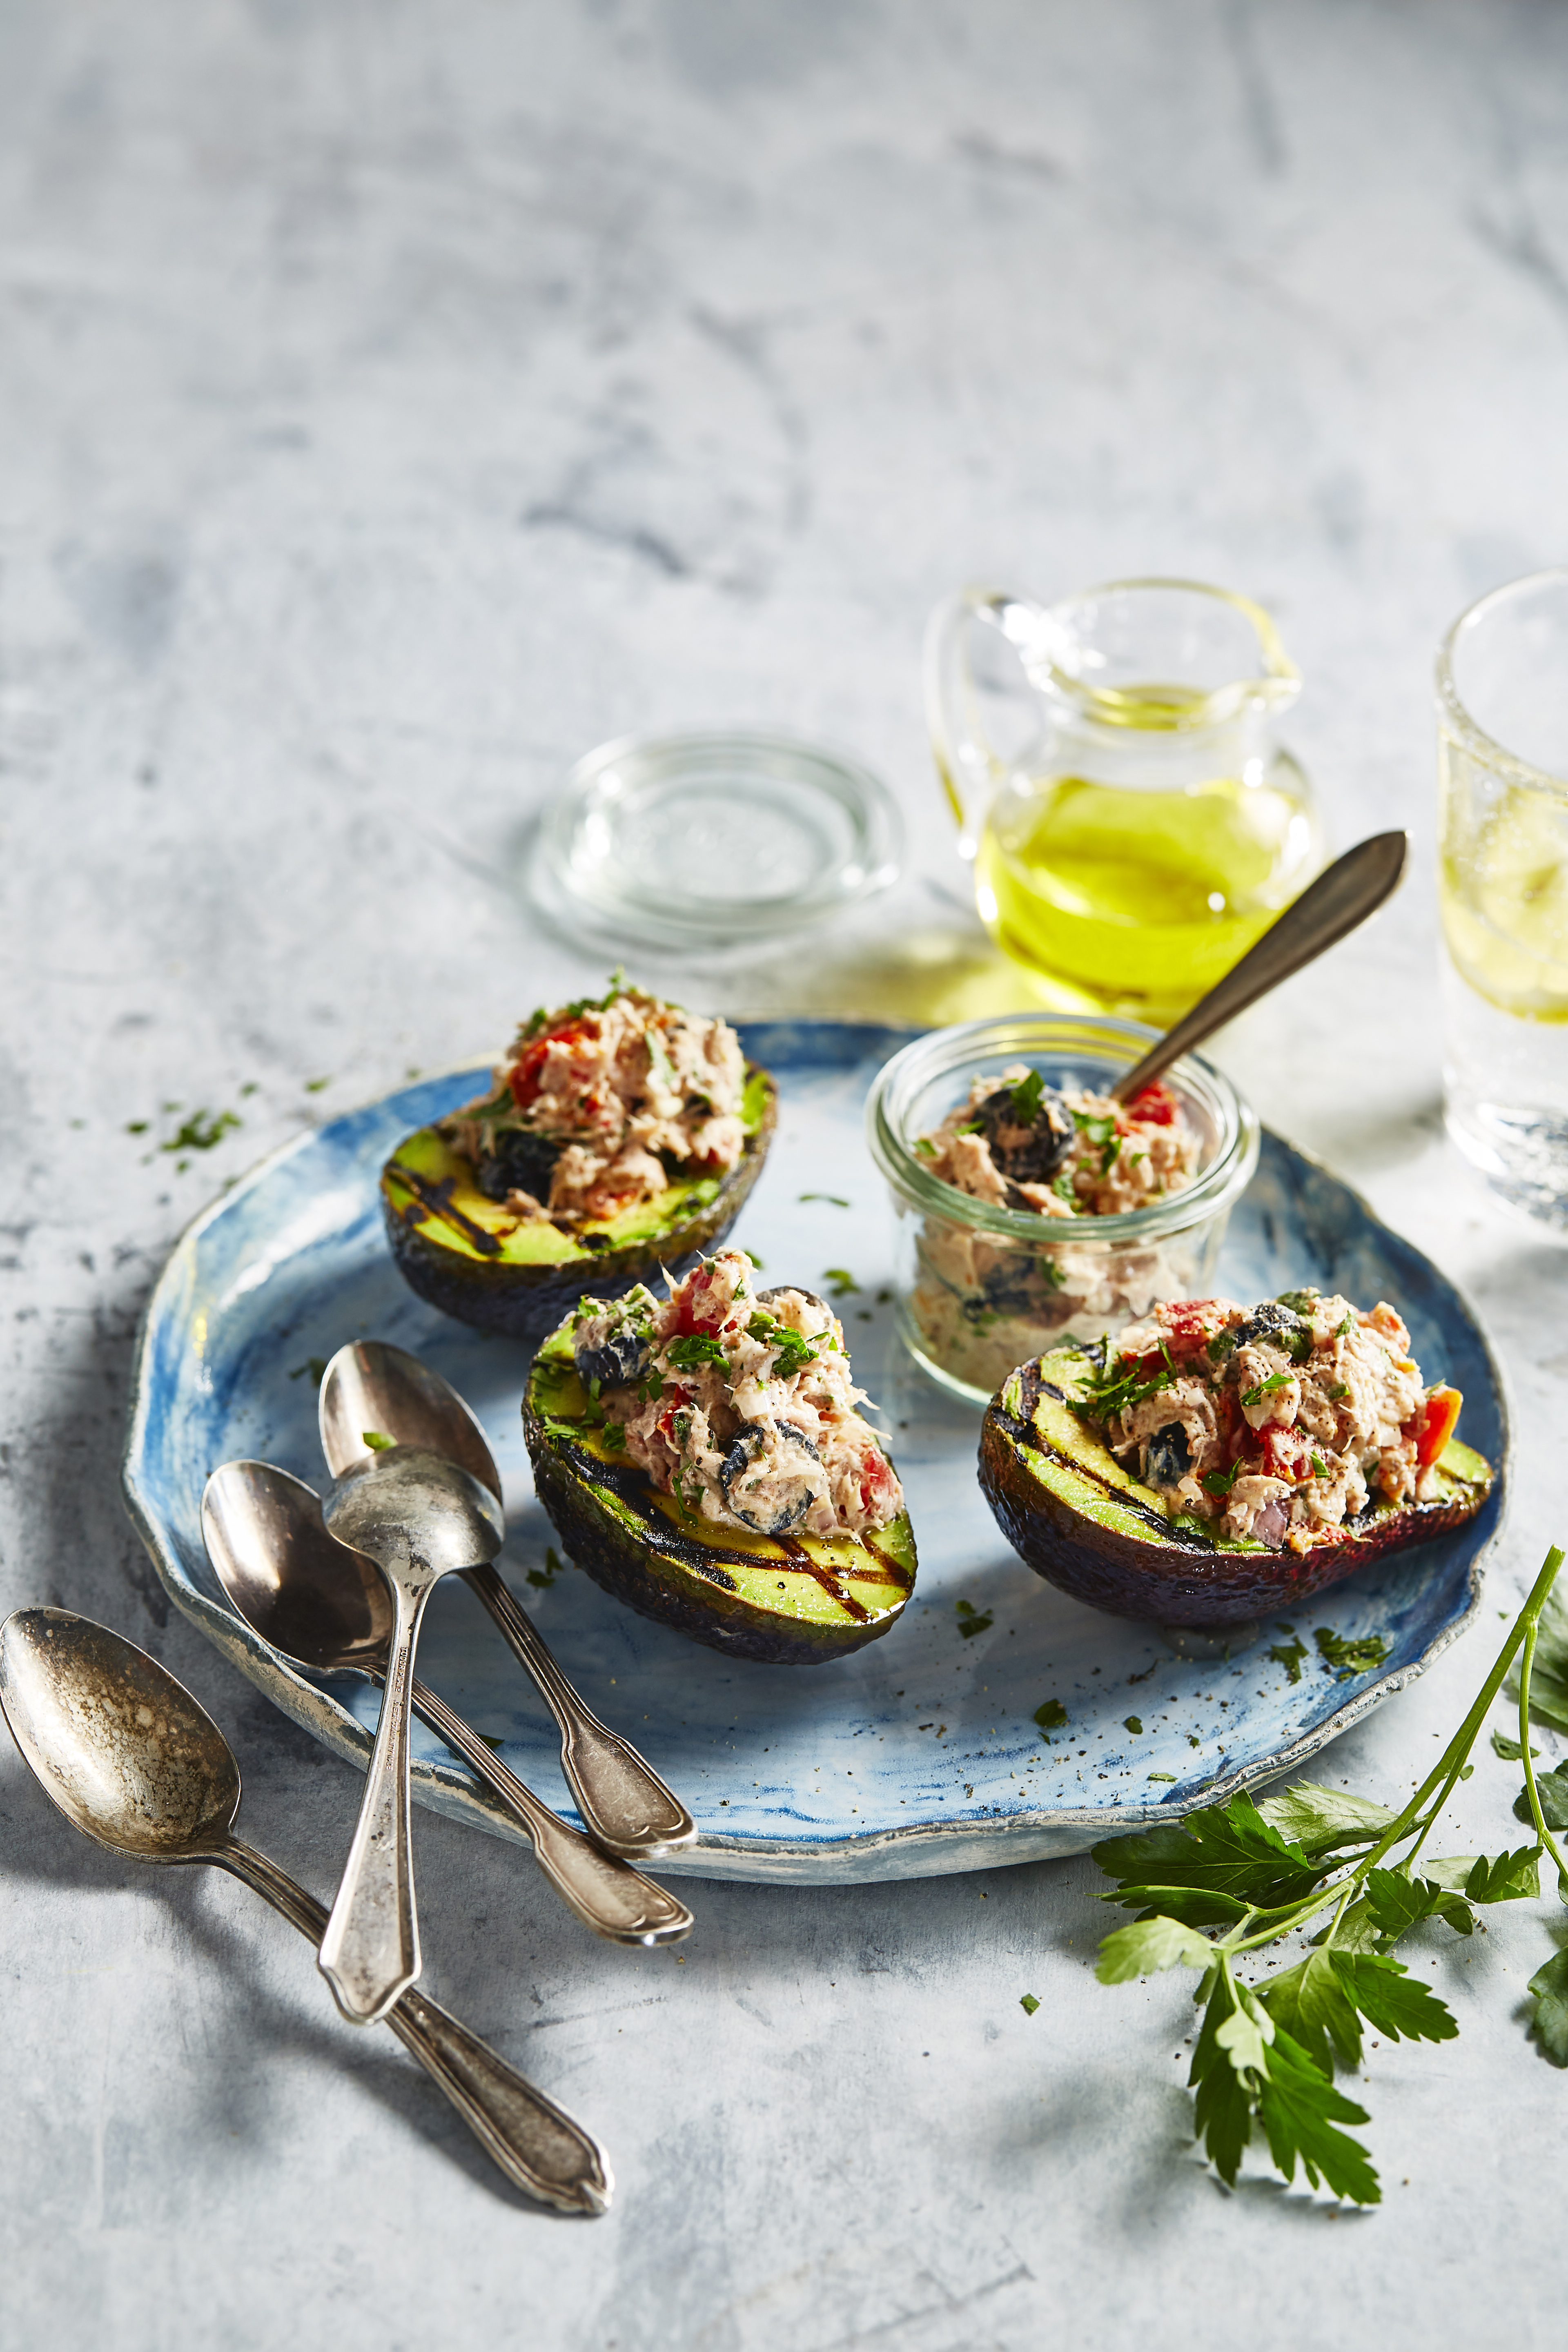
(1266, 2051)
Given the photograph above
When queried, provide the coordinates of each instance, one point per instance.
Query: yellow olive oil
(1138, 901)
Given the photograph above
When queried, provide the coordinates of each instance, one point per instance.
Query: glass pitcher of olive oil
(1142, 828)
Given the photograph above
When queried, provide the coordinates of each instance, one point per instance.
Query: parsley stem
(1542, 1831)
(1457, 1753)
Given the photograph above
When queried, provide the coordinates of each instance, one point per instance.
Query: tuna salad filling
(598, 1105)
(1018, 1143)
(739, 1402)
(981, 1302)
(1277, 1424)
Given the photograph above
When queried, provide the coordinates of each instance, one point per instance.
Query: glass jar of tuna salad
(1030, 1208)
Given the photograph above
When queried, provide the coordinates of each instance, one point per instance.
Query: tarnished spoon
(369, 1385)
(1343, 895)
(326, 1608)
(133, 1762)
(420, 1518)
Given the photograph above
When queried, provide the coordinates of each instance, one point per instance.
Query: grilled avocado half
(472, 1257)
(787, 1600)
(1082, 1521)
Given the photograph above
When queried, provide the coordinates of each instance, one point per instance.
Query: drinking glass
(1502, 779)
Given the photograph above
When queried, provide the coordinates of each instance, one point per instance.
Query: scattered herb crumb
(1027, 2004)
(843, 1281)
(1290, 1655)
(972, 1621)
(377, 1440)
(202, 1133)
(1134, 1724)
(836, 1198)
(136, 1126)
(1051, 1716)
(542, 1579)
(317, 1367)
(1159, 1775)
(316, 1086)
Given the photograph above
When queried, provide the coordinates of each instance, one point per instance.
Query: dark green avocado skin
(1144, 1568)
(641, 1559)
(525, 1302)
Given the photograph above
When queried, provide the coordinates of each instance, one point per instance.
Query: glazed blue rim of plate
(981, 1839)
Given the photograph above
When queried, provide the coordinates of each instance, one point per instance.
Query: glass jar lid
(705, 840)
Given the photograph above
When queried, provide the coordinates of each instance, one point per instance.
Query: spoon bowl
(128, 1755)
(132, 1761)
(327, 1608)
(370, 1386)
(408, 1505)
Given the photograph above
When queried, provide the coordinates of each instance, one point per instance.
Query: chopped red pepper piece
(1434, 1426)
(1156, 1105)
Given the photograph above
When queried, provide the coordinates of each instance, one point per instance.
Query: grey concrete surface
(395, 402)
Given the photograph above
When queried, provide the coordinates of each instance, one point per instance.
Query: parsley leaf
(1549, 2023)
(1215, 1864)
(1508, 1750)
(1323, 1999)
(972, 1621)
(1320, 1819)
(377, 1440)
(1148, 1946)
(1553, 1789)
(1220, 1482)
(844, 1283)
(792, 1349)
(1027, 2004)
(1270, 1387)
(1052, 1716)
(1289, 1655)
(1397, 1904)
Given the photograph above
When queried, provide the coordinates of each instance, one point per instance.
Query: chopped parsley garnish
(1270, 1387)
(660, 1064)
(317, 1367)
(1026, 1096)
(1301, 1302)
(682, 1425)
(1063, 1187)
(316, 1086)
(692, 1349)
(972, 1621)
(1027, 2004)
(542, 1018)
(1220, 1482)
(793, 1350)
(923, 1145)
(1319, 1466)
(542, 1579)
(1133, 1724)
(843, 1281)
(1335, 1390)
(200, 1133)
(1113, 1391)
(1342, 1330)
(1290, 1655)
(1345, 1656)
(1221, 1347)
(1052, 1716)
(835, 1198)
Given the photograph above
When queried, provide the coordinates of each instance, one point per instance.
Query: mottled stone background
(396, 401)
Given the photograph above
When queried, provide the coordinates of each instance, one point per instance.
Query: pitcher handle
(970, 767)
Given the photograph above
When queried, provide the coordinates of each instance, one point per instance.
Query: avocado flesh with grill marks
(473, 1257)
(1083, 1521)
(785, 1600)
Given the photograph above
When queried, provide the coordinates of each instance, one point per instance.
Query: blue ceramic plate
(918, 1755)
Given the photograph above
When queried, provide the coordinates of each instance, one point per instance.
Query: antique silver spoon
(625, 1807)
(130, 1759)
(420, 1518)
(1343, 895)
(326, 1607)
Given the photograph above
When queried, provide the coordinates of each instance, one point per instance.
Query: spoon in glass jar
(133, 1762)
(1343, 895)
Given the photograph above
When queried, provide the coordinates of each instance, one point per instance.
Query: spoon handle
(370, 1952)
(536, 2144)
(606, 1894)
(1343, 895)
(625, 1805)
